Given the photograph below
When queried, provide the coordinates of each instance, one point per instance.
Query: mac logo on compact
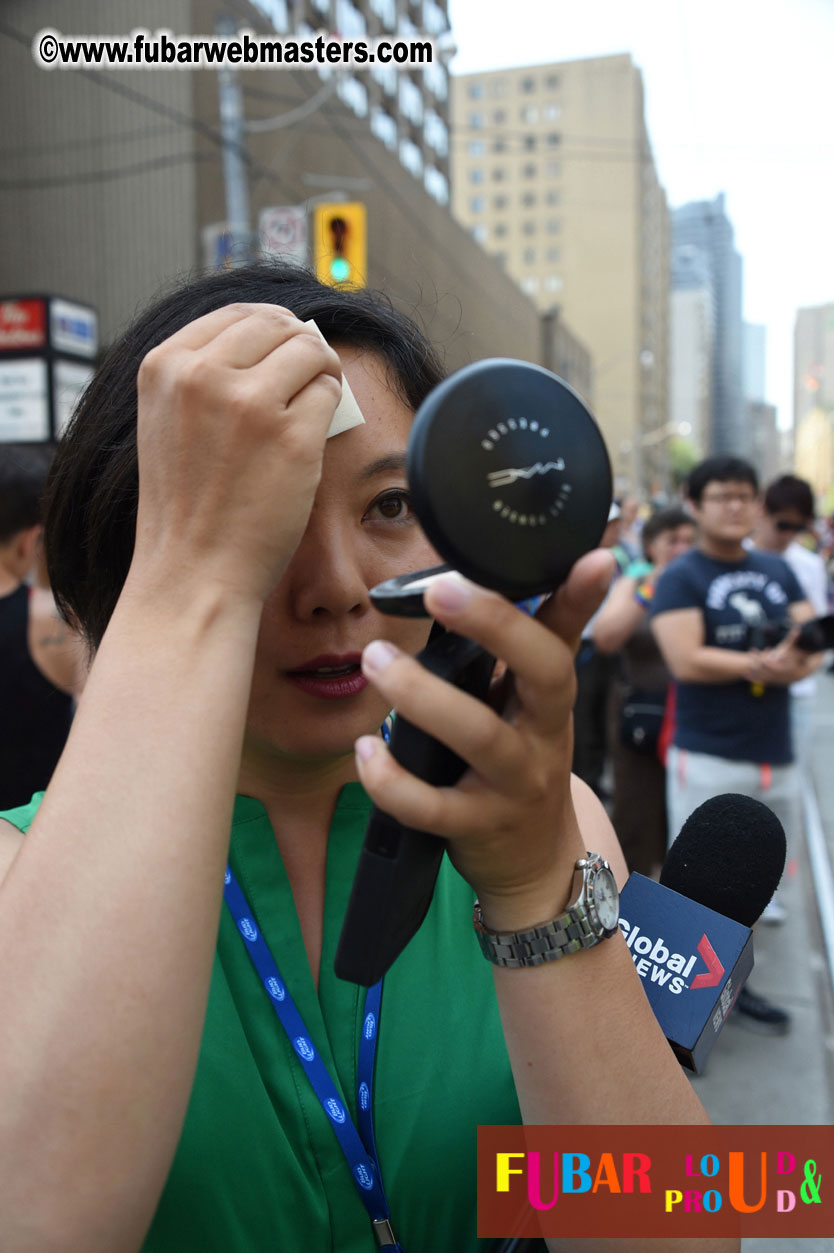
(538, 504)
(502, 478)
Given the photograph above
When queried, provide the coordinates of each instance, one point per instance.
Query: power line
(155, 106)
(103, 176)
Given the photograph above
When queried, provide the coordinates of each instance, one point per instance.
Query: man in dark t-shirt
(732, 720)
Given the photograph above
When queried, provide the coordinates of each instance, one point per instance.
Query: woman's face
(671, 544)
(309, 698)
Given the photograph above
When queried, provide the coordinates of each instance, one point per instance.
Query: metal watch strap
(566, 934)
(577, 927)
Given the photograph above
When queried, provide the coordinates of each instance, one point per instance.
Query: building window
(477, 204)
(529, 114)
(528, 199)
(411, 157)
(436, 79)
(475, 120)
(553, 254)
(499, 174)
(499, 117)
(553, 226)
(530, 285)
(528, 256)
(480, 234)
(529, 170)
(275, 11)
(437, 185)
(553, 140)
(386, 11)
(355, 95)
(411, 100)
(434, 19)
(528, 227)
(553, 196)
(499, 145)
(528, 84)
(529, 143)
(552, 112)
(477, 175)
(437, 136)
(551, 82)
(552, 169)
(553, 283)
(475, 91)
(349, 21)
(387, 77)
(500, 202)
(500, 230)
(498, 88)
(384, 127)
(476, 148)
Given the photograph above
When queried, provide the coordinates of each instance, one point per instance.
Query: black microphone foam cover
(729, 856)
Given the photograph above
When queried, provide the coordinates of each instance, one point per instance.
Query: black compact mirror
(510, 479)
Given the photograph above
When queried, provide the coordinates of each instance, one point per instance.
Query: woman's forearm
(108, 923)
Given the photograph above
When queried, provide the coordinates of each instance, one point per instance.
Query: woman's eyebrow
(383, 465)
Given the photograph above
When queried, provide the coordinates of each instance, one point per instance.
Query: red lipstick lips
(330, 676)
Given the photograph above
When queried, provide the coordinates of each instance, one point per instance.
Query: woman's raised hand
(233, 414)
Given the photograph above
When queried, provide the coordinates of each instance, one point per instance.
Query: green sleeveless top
(258, 1168)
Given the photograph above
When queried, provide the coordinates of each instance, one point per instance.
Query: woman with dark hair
(217, 550)
(639, 708)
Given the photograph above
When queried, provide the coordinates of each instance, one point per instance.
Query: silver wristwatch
(591, 918)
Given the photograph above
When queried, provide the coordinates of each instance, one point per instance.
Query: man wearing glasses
(733, 731)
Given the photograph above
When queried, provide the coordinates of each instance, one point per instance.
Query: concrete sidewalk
(757, 1079)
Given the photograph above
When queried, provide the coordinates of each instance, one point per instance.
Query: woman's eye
(393, 506)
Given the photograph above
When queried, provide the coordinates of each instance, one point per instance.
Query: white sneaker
(774, 913)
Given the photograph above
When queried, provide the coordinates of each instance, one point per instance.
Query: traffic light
(340, 248)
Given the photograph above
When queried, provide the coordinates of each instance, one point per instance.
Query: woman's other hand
(233, 415)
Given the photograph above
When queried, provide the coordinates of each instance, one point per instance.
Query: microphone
(689, 935)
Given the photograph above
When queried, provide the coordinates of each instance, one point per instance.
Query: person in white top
(787, 510)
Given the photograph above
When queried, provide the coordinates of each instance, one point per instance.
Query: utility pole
(235, 174)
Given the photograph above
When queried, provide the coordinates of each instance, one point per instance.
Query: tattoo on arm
(59, 638)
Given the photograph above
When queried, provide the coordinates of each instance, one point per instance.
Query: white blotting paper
(347, 413)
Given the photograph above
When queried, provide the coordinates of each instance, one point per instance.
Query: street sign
(48, 349)
(283, 233)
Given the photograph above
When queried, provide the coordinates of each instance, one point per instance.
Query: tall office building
(692, 347)
(553, 174)
(702, 229)
(754, 361)
(813, 412)
(114, 178)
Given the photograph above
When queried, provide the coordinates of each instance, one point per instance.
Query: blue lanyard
(359, 1146)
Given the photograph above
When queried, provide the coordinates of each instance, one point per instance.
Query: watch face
(606, 899)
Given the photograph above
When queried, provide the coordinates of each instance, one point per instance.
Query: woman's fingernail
(377, 656)
(365, 747)
(451, 593)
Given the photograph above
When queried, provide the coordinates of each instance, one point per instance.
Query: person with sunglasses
(787, 511)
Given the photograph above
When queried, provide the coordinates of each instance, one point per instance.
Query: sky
(739, 99)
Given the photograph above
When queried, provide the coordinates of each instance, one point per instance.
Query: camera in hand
(511, 482)
(816, 636)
